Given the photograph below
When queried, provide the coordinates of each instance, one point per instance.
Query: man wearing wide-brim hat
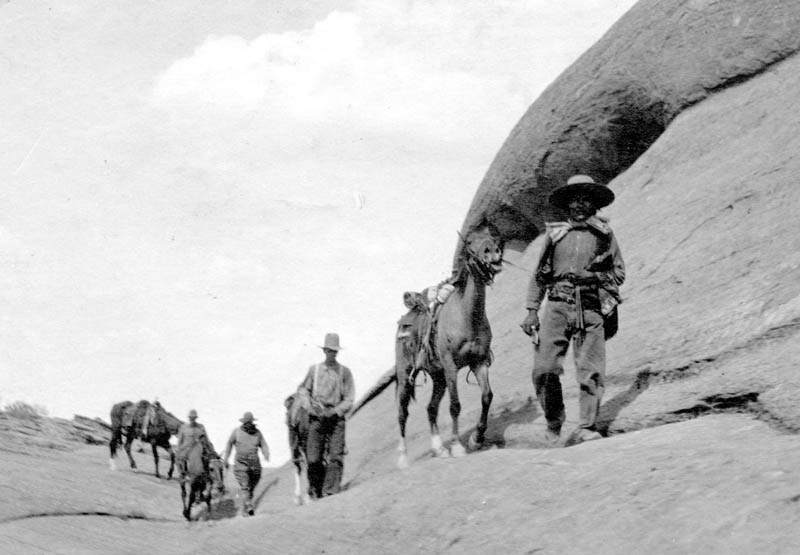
(190, 433)
(579, 271)
(247, 439)
(330, 388)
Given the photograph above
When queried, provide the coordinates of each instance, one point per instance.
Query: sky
(194, 193)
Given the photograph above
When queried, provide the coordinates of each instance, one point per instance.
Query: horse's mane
(194, 460)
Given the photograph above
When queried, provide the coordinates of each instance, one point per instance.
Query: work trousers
(558, 327)
(247, 476)
(325, 432)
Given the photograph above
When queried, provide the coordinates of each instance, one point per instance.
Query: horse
(147, 422)
(200, 482)
(456, 336)
(298, 408)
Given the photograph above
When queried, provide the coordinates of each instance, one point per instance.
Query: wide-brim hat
(581, 184)
(331, 342)
(248, 417)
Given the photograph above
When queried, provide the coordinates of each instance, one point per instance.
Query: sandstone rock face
(605, 110)
(690, 110)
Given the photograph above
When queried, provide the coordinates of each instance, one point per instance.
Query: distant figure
(189, 434)
(330, 389)
(247, 439)
(580, 271)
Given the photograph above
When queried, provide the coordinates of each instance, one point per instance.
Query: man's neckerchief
(557, 230)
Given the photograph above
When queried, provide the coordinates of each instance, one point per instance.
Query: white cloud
(451, 69)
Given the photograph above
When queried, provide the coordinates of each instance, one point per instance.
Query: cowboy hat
(248, 417)
(331, 342)
(600, 194)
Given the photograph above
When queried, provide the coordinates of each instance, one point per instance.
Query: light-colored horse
(461, 337)
(197, 483)
(298, 407)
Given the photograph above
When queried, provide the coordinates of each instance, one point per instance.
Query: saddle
(423, 311)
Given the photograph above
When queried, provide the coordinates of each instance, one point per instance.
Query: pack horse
(146, 421)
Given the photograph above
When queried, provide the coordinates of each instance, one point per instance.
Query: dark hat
(248, 417)
(600, 194)
(331, 342)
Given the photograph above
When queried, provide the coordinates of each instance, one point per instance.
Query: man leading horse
(580, 271)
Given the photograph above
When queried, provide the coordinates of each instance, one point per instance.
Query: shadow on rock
(611, 409)
(499, 432)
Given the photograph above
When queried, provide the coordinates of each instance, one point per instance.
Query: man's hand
(531, 322)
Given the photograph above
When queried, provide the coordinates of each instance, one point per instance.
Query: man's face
(581, 208)
(330, 355)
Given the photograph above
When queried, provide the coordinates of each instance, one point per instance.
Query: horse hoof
(457, 450)
(187, 515)
(474, 444)
(112, 464)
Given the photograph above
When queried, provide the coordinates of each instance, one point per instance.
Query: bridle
(480, 269)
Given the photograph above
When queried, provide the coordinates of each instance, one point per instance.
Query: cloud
(450, 69)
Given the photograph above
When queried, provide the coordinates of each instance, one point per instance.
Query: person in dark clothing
(329, 386)
(247, 439)
(579, 271)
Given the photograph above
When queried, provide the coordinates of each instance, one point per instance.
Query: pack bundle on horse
(456, 335)
(144, 421)
(298, 407)
(201, 482)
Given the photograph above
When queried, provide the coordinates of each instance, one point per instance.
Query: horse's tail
(383, 382)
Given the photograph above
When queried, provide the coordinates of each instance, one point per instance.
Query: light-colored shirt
(330, 387)
(247, 446)
(188, 434)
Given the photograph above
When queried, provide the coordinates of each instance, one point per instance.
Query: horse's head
(298, 405)
(482, 252)
(216, 470)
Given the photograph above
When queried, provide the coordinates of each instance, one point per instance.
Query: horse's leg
(451, 377)
(298, 487)
(439, 386)
(481, 372)
(186, 511)
(116, 440)
(128, 442)
(171, 452)
(208, 489)
(304, 480)
(154, 447)
(404, 394)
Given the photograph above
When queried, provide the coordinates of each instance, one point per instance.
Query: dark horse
(297, 410)
(458, 336)
(200, 482)
(146, 422)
